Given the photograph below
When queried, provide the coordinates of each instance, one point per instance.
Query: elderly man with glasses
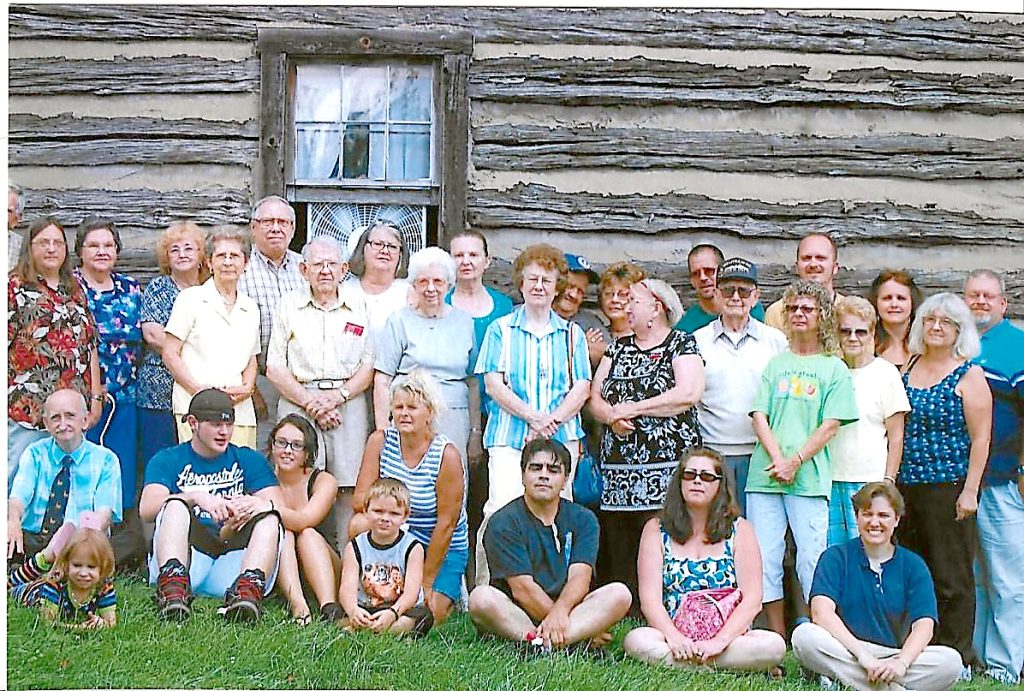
(736, 349)
(321, 359)
(272, 271)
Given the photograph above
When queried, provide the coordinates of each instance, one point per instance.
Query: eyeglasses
(95, 246)
(859, 333)
(802, 309)
(268, 223)
(284, 445)
(320, 266)
(49, 244)
(705, 475)
(609, 294)
(380, 246)
(941, 322)
(182, 250)
(729, 291)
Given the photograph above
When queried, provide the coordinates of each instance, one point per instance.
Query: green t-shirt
(798, 393)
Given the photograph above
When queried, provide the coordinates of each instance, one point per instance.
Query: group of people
(429, 432)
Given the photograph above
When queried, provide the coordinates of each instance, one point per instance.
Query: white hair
(967, 345)
(423, 259)
(325, 241)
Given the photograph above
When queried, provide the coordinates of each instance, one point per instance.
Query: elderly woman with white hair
(416, 453)
(438, 338)
(645, 391)
(945, 448)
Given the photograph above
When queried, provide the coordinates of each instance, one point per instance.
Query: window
(365, 126)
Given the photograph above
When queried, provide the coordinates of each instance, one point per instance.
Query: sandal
(302, 619)
(776, 673)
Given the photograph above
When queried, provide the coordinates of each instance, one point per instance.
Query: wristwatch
(345, 394)
(1020, 470)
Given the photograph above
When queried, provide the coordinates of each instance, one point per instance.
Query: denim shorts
(448, 581)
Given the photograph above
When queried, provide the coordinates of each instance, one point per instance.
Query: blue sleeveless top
(681, 576)
(422, 484)
(936, 445)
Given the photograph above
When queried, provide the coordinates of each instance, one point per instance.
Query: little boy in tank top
(383, 568)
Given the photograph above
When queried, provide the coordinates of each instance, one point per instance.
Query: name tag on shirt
(354, 329)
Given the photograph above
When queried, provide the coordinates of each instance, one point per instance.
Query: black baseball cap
(737, 268)
(211, 405)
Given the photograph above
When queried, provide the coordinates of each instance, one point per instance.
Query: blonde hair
(385, 487)
(422, 386)
(828, 333)
(182, 230)
(95, 544)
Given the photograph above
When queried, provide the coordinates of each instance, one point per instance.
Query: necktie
(58, 502)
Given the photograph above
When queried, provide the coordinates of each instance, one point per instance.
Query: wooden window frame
(280, 48)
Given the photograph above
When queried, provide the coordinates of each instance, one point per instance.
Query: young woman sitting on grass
(71, 580)
(698, 549)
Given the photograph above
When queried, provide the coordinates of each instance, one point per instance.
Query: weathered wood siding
(618, 133)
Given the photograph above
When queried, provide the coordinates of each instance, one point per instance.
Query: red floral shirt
(50, 336)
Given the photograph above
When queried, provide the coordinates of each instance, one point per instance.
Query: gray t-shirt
(444, 346)
(382, 569)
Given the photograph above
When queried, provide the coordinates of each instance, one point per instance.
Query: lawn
(205, 652)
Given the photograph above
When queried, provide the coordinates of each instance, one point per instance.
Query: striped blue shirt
(536, 368)
(95, 481)
(422, 484)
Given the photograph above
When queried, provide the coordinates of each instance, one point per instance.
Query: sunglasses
(859, 333)
(729, 291)
(802, 309)
(705, 476)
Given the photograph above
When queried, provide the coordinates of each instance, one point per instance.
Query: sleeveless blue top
(936, 445)
(682, 576)
(422, 484)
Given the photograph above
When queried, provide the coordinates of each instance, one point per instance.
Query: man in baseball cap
(569, 302)
(217, 528)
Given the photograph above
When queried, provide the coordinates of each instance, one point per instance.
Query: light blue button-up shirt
(95, 481)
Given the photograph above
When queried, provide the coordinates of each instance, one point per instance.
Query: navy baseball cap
(737, 268)
(580, 264)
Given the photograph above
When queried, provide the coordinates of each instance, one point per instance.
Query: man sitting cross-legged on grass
(383, 568)
(216, 526)
(541, 551)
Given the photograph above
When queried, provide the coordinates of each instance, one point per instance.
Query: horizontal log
(536, 207)
(539, 148)
(373, 41)
(66, 127)
(644, 82)
(773, 279)
(952, 37)
(141, 208)
(99, 152)
(180, 74)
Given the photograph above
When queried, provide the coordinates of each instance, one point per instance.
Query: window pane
(411, 92)
(316, 152)
(363, 151)
(317, 93)
(365, 95)
(409, 152)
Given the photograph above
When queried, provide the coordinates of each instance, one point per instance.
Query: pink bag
(702, 613)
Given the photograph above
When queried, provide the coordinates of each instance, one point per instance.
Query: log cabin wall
(616, 133)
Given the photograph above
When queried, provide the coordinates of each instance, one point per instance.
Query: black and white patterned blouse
(636, 468)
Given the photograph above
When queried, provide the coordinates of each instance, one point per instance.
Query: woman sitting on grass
(308, 524)
(70, 580)
(699, 548)
(380, 584)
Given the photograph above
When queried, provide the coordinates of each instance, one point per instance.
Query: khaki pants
(936, 669)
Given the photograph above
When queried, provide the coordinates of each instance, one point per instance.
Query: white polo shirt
(733, 364)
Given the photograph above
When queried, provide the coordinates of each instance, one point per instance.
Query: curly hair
(882, 337)
(621, 272)
(175, 232)
(546, 257)
(422, 386)
(828, 333)
(675, 518)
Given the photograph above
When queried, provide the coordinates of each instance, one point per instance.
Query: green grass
(205, 652)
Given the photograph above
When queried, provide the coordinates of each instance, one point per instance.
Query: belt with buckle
(325, 384)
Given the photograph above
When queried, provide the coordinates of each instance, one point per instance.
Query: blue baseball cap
(581, 265)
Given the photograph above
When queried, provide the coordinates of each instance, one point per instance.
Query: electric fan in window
(345, 222)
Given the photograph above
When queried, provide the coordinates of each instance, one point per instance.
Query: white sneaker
(966, 674)
(826, 683)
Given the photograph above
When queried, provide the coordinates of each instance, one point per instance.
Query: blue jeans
(18, 439)
(738, 467)
(157, 431)
(808, 519)
(119, 436)
(842, 519)
(999, 582)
